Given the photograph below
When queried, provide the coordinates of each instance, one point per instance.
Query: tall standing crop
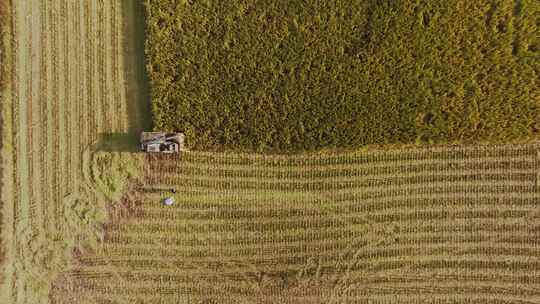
(294, 75)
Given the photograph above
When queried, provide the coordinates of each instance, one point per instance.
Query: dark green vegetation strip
(301, 75)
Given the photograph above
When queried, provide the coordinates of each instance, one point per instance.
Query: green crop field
(294, 75)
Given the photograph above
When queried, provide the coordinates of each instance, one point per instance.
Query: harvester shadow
(138, 105)
(117, 142)
(137, 82)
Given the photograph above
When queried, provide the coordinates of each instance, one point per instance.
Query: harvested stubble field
(441, 225)
(67, 63)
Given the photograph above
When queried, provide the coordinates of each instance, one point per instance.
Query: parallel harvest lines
(322, 220)
(18, 139)
(55, 112)
(45, 146)
(366, 290)
(447, 224)
(201, 211)
(114, 68)
(61, 51)
(27, 123)
(491, 230)
(372, 158)
(73, 54)
(34, 123)
(232, 277)
(171, 275)
(345, 194)
(520, 177)
(282, 254)
(371, 225)
(175, 167)
(101, 76)
(67, 87)
(176, 297)
(82, 68)
(81, 111)
(499, 169)
(263, 202)
(90, 67)
(15, 113)
(67, 99)
(40, 143)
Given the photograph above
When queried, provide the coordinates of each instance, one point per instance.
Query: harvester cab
(161, 142)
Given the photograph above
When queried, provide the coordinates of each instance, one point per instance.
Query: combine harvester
(161, 142)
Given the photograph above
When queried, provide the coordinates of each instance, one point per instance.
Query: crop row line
(256, 226)
(210, 211)
(279, 253)
(90, 64)
(73, 89)
(57, 160)
(67, 101)
(345, 169)
(276, 296)
(374, 156)
(261, 202)
(115, 68)
(102, 76)
(344, 191)
(81, 100)
(29, 123)
(487, 230)
(340, 169)
(395, 180)
(239, 287)
(360, 193)
(168, 276)
(496, 265)
(344, 176)
(15, 135)
(43, 147)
